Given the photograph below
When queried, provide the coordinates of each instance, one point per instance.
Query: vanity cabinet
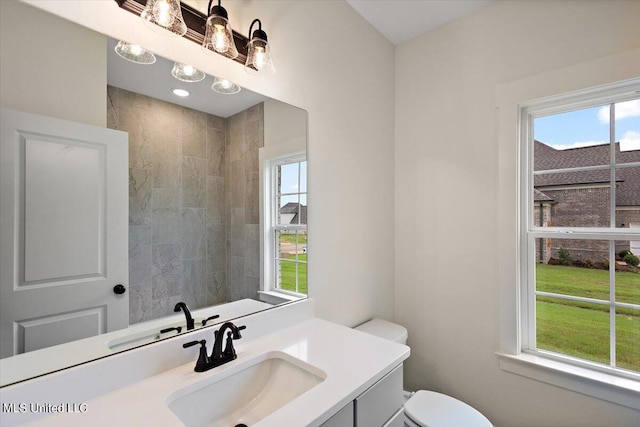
(380, 405)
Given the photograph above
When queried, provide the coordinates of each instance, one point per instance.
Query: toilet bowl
(427, 408)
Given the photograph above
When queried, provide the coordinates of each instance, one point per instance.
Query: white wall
(346, 86)
(447, 284)
(37, 50)
(283, 122)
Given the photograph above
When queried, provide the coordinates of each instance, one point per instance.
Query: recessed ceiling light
(181, 92)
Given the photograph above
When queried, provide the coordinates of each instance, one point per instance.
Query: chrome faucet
(218, 356)
(182, 306)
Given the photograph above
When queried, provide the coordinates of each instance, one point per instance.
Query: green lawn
(288, 275)
(291, 238)
(582, 329)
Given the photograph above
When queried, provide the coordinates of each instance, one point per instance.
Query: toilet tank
(383, 329)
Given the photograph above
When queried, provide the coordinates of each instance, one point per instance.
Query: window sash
(529, 231)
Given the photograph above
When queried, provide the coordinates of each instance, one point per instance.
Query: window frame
(270, 159)
(530, 231)
(510, 96)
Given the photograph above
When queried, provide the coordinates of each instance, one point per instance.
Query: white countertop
(352, 361)
(50, 359)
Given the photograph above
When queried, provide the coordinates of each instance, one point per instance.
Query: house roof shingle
(628, 178)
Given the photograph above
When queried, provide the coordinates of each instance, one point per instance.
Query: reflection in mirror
(195, 222)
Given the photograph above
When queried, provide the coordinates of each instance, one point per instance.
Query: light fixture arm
(259, 33)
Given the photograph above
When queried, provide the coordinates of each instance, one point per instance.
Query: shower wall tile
(216, 203)
(194, 133)
(194, 213)
(165, 118)
(252, 198)
(216, 122)
(216, 248)
(167, 160)
(166, 272)
(139, 197)
(140, 302)
(193, 182)
(216, 288)
(194, 238)
(245, 136)
(165, 198)
(194, 283)
(252, 250)
(166, 225)
(216, 140)
(164, 306)
(237, 184)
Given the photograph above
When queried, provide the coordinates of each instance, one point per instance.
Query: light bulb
(135, 49)
(260, 58)
(226, 84)
(162, 12)
(220, 39)
(188, 70)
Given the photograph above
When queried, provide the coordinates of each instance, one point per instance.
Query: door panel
(48, 330)
(63, 189)
(62, 186)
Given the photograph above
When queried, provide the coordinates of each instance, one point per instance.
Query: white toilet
(427, 408)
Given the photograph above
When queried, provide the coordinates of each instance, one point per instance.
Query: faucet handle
(204, 321)
(178, 329)
(202, 364)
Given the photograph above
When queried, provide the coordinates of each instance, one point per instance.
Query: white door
(635, 244)
(63, 231)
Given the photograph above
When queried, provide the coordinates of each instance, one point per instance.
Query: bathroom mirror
(196, 222)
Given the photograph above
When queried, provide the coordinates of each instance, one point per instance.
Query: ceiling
(402, 20)
(156, 81)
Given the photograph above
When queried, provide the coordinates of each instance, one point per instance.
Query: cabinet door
(397, 420)
(344, 418)
(381, 401)
(63, 185)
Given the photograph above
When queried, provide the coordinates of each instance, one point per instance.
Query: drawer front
(381, 401)
(344, 418)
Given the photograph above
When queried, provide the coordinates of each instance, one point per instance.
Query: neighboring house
(293, 213)
(582, 198)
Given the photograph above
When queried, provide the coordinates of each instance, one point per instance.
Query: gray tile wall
(181, 213)
(245, 135)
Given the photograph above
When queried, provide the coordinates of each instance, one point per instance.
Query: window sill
(622, 391)
(273, 297)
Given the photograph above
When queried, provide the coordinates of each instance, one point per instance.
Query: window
(579, 210)
(285, 219)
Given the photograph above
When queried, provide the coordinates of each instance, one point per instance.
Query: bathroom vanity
(292, 369)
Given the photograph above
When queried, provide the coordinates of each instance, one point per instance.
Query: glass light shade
(134, 53)
(224, 86)
(186, 73)
(219, 37)
(164, 15)
(259, 58)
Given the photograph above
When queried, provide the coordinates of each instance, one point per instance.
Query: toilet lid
(431, 409)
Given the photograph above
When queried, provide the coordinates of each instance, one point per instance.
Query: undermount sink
(143, 337)
(246, 393)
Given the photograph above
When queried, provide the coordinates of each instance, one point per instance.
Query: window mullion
(612, 243)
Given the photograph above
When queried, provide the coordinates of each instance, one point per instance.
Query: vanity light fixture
(164, 15)
(224, 86)
(181, 92)
(219, 35)
(258, 52)
(213, 32)
(186, 73)
(135, 53)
